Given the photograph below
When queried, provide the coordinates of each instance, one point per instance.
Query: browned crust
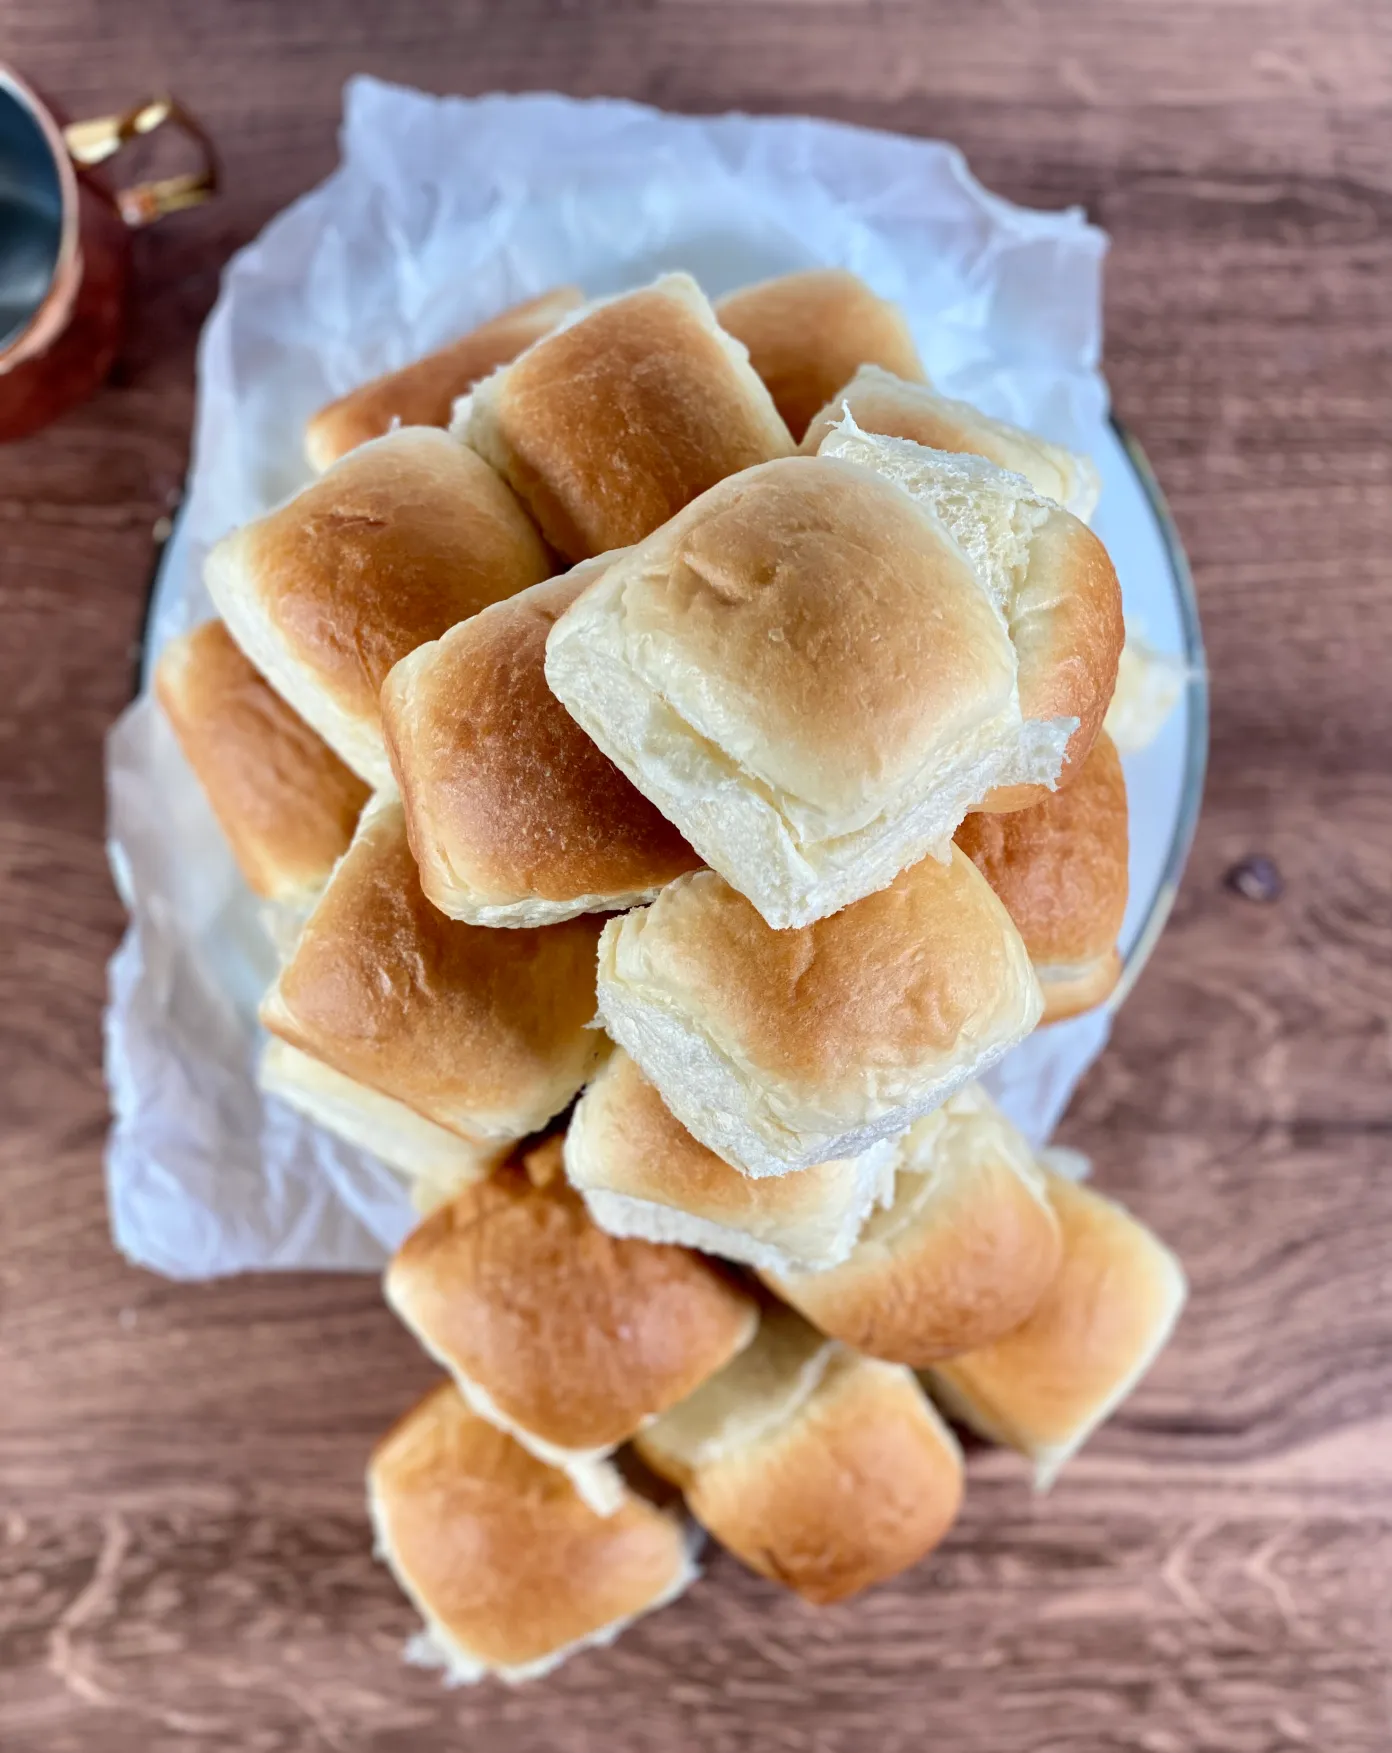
(1060, 868)
(857, 1487)
(575, 1336)
(500, 1548)
(610, 426)
(479, 1030)
(809, 333)
(285, 801)
(390, 548)
(424, 392)
(972, 1269)
(503, 791)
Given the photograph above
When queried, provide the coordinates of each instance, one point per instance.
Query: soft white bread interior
(808, 332)
(436, 1162)
(486, 1033)
(424, 392)
(515, 817)
(643, 1174)
(1061, 868)
(285, 801)
(807, 674)
(822, 1470)
(624, 414)
(1149, 684)
(785, 1049)
(507, 1565)
(566, 1337)
(1049, 576)
(387, 549)
(1113, 1303)
(960, 1256)
(881, 403)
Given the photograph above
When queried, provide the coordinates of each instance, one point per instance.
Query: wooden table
(185, 1561)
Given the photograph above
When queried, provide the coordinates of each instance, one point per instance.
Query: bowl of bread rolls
(676, 750)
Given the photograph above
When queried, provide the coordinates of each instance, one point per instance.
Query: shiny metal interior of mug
(31, 214)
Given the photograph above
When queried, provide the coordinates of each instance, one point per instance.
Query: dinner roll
(1060, 867)
(962, 1255)
(808, 332)
(785, 1049)
(424, 392)
(1048, 575)
(618, 419)
(1148, 686)
(824, 1471)
(643, 1174)
(808, 676)
(436, 1162)
(390, 547)
(566, 1337)
(483, 1032)
(285, 801)
(1113, 1303)
(514, 815)
(881, 403)
(507, 1565)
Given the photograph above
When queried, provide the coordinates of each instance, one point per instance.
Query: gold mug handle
(92, 143)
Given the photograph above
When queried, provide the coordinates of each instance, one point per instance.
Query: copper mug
(65, 245)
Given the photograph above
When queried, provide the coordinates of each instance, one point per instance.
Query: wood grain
(184, 1562)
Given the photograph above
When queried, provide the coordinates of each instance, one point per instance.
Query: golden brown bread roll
(514, 815)
(424, 392)
(643, 1174)
(436, 1162)
(1113, 1303)
(786, 1049)
(387, 549)
(484, 1032)
(883, 404)
(1060, 867)
(508, 1566)
(1049, 576)
(824, 1471)
(807, 674)
(959, 1257)
(566, 1337)
(285, 801)
(808, 334)
(612, 424)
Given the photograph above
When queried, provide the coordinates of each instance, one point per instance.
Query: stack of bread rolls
(671, 738)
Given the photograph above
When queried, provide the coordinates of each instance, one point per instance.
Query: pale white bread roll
(1051, 579)
(808, 676)
(881, 403)
(643, 1174)
(609, 426)
(807, 333)
(1061, 869)
(1113, 1303)
(390, 547)
(437, 1163)
(504, 1561)
(486, 1033)
(822, 1470)
(568, 1338)
(515, 817)
(1149, 684)
(285, 801)
(424, 392)
(785, 1049)
(960, 1256)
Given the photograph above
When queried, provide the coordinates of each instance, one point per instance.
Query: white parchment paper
(441, 213)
